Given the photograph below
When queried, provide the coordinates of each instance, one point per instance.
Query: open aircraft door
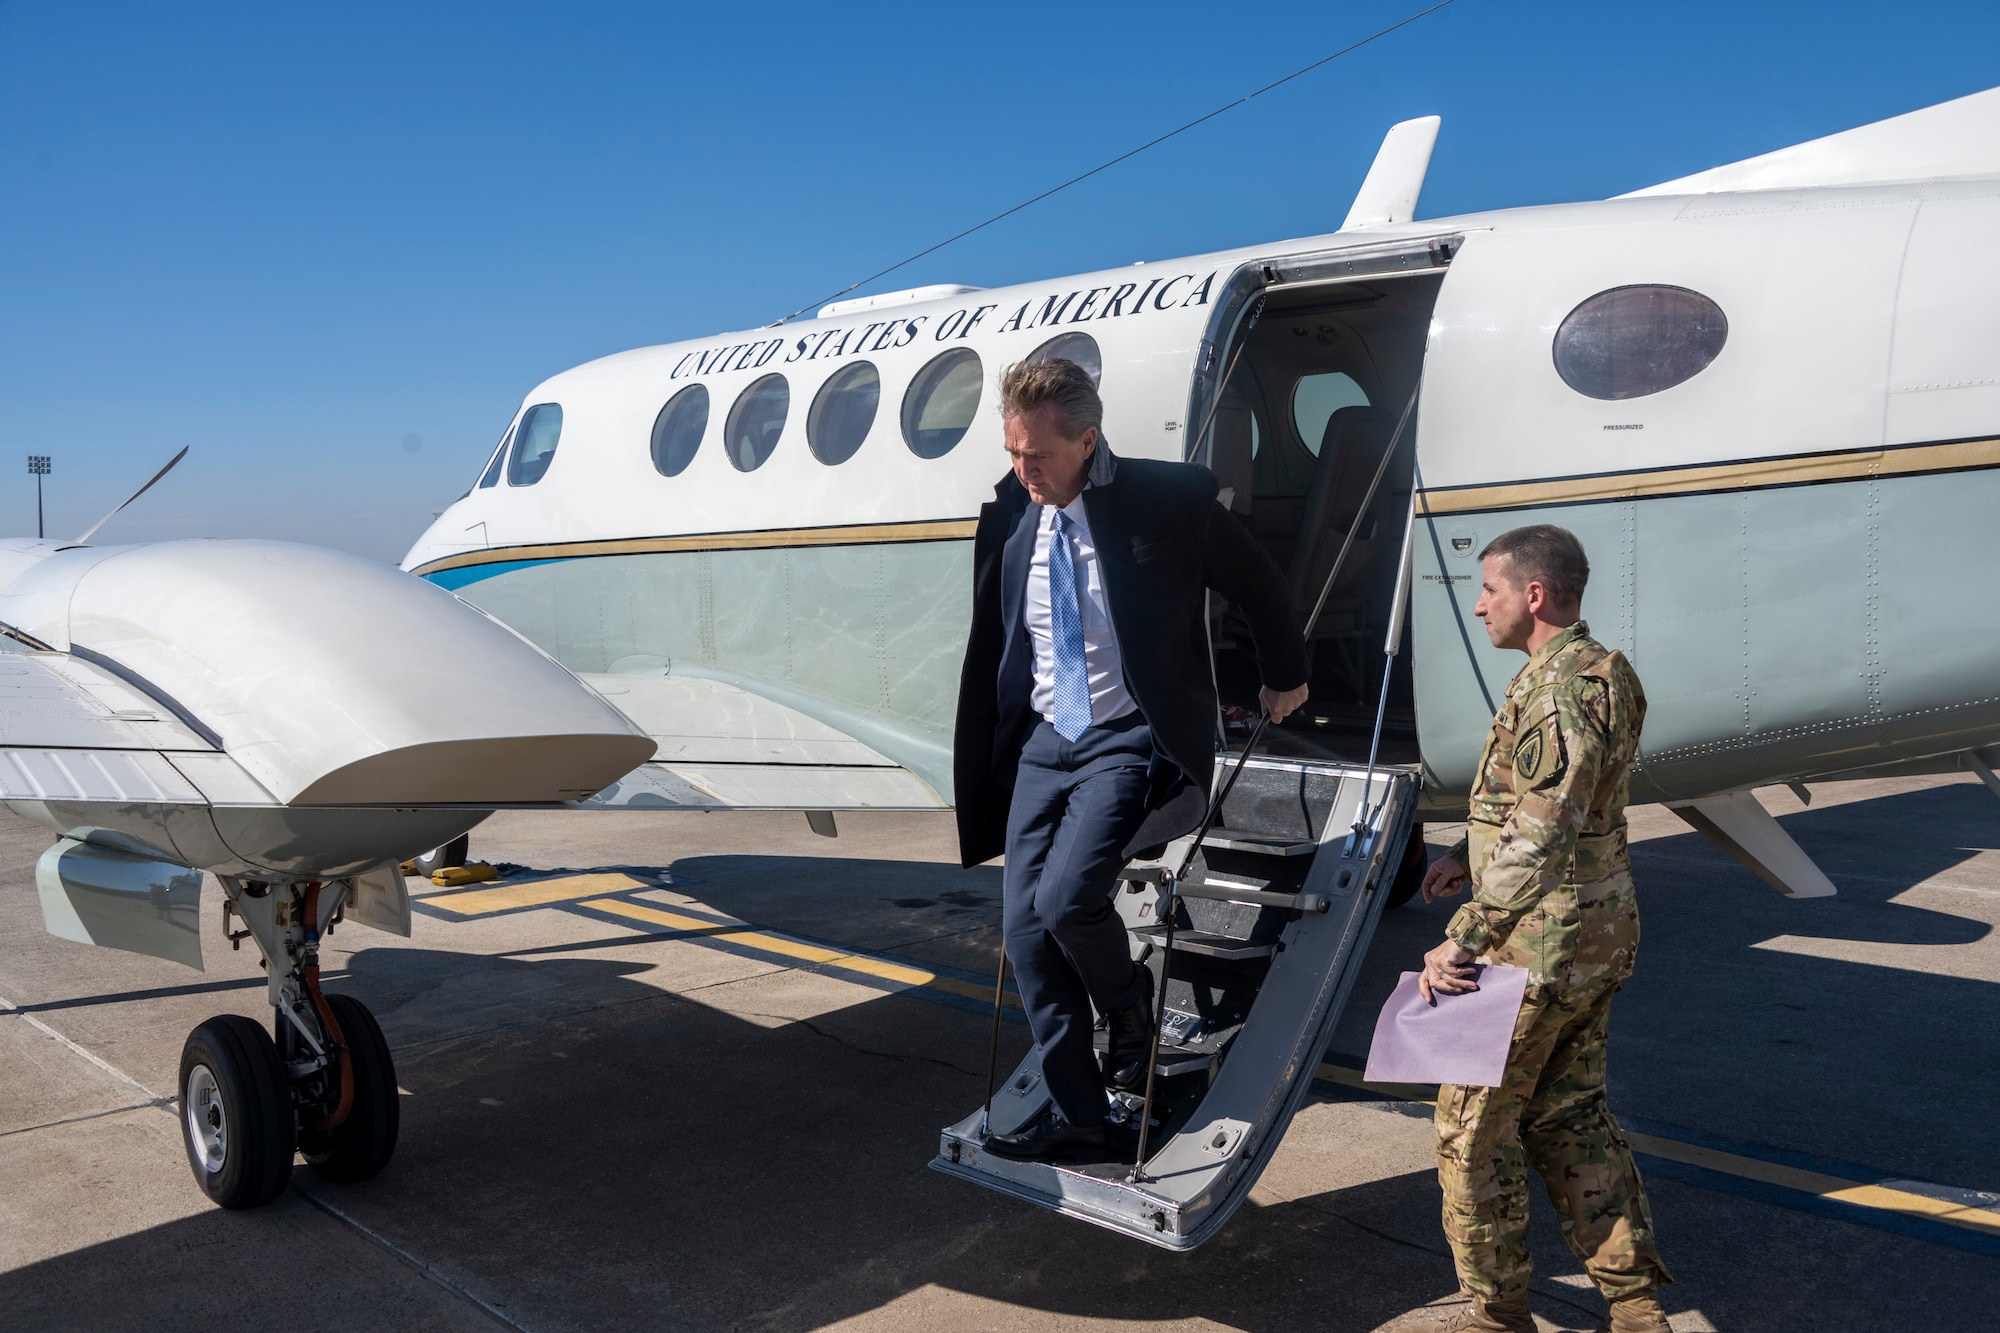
(1268, 932)
(1255, 926)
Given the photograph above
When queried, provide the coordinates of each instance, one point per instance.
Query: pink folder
(1462, 1039)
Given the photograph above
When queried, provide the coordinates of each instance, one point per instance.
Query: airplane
(1765, 396)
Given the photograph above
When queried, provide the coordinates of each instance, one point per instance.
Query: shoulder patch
(1529, 756)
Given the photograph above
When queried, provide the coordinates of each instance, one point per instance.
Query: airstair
(1257, 945)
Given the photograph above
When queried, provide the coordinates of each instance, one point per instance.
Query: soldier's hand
(1445, 878)
(1447, 968)
(1278, 703)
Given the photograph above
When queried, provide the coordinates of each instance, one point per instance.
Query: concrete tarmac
(686, 1072)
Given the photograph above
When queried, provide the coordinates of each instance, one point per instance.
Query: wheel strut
(329, 1025)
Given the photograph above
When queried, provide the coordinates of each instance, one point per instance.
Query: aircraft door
(1314, 435)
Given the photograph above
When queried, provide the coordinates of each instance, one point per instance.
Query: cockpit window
(535, 441)
(842, 412)
(1632, 341)
(939, 405)
(756, 421)
(1315, 398)
(491, 477)
(1078, 347)
(677, 431)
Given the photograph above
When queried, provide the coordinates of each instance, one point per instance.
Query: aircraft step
(1236, 840)
(1178, 1060)
(1267, 942)
(1237, 889)
(1202, 944)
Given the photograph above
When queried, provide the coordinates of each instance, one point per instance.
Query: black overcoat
(1162, 540)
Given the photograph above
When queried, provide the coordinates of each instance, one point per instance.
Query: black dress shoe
(1130, 1036)
(1048, 1135)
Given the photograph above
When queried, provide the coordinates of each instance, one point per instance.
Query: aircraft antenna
(1106, 166)
(92, 529)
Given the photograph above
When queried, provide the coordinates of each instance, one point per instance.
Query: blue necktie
(1066, 634)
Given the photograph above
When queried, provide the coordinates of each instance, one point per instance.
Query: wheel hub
(207, 1122)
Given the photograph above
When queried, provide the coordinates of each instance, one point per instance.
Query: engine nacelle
(333, 712)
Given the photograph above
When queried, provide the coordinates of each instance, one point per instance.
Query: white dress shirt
(1108, 696)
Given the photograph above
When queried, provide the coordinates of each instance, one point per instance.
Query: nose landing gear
(326, 1087)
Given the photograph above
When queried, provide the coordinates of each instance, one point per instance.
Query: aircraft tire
(362, 1144)
(237, 1122)
(451, 854)
(1410, 871)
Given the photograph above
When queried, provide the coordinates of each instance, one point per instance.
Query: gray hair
(1029, 386)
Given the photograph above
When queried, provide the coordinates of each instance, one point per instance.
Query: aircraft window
(940, 402)
(1631, 341)
(1315, 398)
(535, 441)
(677, 431)
(1078, 347)
(491, 477)
(842, 412)
(756, 421)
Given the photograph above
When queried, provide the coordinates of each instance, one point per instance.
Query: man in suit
(1086, 715)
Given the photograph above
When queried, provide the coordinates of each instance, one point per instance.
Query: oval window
(1315, 398)
(677, 431)
(535, 441)
(491, 477)
(756, 422)
(1632, 341)
(940, 402)
(1078, 347)
(842, 412)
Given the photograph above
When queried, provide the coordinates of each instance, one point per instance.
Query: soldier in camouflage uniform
(1546, 855)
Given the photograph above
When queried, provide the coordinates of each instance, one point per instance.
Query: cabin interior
(1305, 418)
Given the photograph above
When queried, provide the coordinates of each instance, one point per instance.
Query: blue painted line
(454, 579)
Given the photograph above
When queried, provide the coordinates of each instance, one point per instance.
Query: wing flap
(48, 699)
(125, 777)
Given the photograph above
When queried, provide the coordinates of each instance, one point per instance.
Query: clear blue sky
(330, 247)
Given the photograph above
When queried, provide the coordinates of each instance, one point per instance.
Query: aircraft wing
(1958, 138)
(71, 731)
(725, 744)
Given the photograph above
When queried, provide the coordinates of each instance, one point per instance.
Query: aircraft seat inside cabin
(1350, 450)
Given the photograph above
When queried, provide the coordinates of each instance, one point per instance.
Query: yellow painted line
(765, 942)
(535, 893)
(1887, 1198)
(1749, 474)
(1402, 1092)
(855, 534)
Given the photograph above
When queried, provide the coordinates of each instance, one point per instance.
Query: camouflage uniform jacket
(1545, 838)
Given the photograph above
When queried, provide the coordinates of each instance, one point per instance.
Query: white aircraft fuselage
(1785, 535)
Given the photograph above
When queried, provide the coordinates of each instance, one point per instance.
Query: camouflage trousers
(1549, 1111)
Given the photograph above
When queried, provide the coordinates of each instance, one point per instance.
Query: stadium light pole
(38, 467)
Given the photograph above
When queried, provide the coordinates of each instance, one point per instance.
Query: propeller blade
(92, 529)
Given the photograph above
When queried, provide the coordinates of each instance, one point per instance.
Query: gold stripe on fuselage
(860, 534)
(1696, 479)
(1743, 475)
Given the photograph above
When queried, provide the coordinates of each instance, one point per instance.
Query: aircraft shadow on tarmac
(587, 1150)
